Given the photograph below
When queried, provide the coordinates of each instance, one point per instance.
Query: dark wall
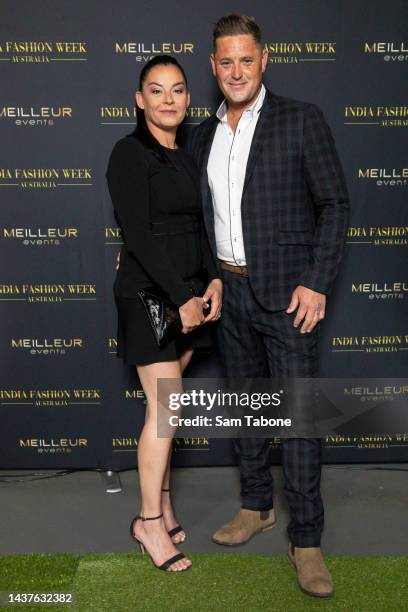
(68, 74)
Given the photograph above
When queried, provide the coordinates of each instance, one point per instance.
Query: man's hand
(311, 308)
(214, 293)
(117, 261)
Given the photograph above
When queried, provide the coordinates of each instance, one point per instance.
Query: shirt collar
(251, 110)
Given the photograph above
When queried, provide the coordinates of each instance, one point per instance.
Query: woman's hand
(214, 293)
(191, 314)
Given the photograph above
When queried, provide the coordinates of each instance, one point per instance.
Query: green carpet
(127, 582)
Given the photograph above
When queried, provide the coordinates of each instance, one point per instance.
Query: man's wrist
(301, 285)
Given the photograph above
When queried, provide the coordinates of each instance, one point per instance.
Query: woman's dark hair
(141, 131)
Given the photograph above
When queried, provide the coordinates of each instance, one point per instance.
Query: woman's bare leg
(167, 509)
(153, 455)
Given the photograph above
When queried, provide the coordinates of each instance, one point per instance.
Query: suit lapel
(208, 140)
(259, 135)
(208, 212)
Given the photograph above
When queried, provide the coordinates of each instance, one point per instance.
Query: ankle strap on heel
(166, 490)
(149, 518)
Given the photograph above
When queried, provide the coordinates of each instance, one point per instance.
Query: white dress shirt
(226, 174)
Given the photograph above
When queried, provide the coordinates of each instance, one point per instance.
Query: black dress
(157, 204)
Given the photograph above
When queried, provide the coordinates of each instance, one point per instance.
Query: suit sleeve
(327, 185)
(208, 259)
(191, 144)
(188, 144)
(128, 184)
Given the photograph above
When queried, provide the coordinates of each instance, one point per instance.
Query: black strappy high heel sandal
(177, 528)
(164, 566)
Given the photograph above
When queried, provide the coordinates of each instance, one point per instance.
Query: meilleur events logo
(392, 52)
(145, 51)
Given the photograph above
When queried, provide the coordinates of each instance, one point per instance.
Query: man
(276, 210)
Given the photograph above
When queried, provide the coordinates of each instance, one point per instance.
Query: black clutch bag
(163, 315)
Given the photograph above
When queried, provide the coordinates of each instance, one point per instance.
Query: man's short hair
(235, 24)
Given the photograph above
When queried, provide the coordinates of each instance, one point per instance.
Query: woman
(154, 190)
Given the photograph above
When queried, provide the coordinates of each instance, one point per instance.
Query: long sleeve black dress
(158, 207)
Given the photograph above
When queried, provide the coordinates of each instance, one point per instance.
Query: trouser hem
(312, 542)
(256, 504)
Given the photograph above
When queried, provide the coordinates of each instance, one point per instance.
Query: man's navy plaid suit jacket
(295, 203)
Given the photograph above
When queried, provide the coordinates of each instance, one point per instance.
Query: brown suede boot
(313, 576)
(243, 526)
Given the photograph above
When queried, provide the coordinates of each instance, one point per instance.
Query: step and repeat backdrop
(68, 73)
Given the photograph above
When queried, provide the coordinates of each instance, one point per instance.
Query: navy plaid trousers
(254, 342)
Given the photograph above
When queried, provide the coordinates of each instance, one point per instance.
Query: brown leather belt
(241, 270)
